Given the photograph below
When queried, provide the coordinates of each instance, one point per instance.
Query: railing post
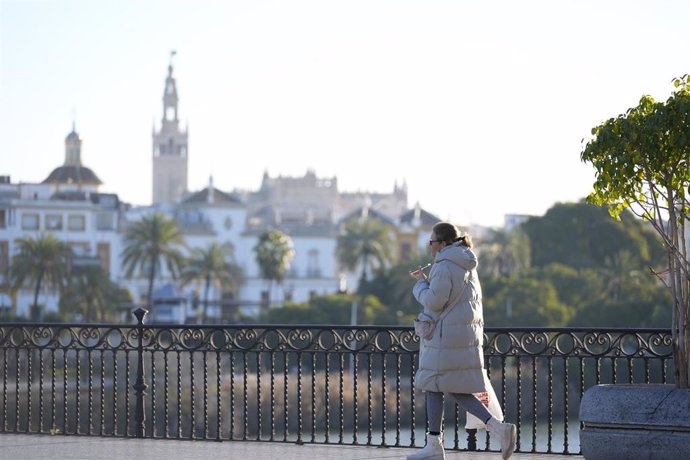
(471, 439)
(140, 386)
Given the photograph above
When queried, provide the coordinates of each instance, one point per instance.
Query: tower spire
(169, 147)
(73, 147)
(170, 96)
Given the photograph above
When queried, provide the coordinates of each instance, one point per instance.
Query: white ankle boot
(506, 433)
(432, 451)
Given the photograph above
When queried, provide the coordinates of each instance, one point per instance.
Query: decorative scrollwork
(369, 339)
(597, 344)
(384, 341)
(660, 344)
(408, 340)
(245, 338)
(566, 344)
(300, 339)
(42, 336)
(501, 343)
(356, 340)
(114, 338)
(89, 337)
(534, 343)
(328, 340)
(192, 339)
(164, 339)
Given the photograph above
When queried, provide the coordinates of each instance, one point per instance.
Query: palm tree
(211, 265)
(149, 244)
(41, 260)
(505, 253)
(274, 252)
(364, 244)
(91, 294)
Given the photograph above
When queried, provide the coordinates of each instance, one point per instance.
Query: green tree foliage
(619, 292)
(91, 296)
(613, 275)
(641, 305)
(526, 301)
(364, 244)
(40, 261)
(642, 164)
(575, 287)
(394, 288)
(153, 242)
(274, 252)
(330, 309)
(212, 266)
(505, 253)
(582, 235)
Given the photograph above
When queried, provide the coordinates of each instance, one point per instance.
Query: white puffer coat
(452, 360)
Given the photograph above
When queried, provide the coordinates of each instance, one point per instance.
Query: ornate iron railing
(315, 384)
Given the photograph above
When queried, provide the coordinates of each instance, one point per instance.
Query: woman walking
(452, 361)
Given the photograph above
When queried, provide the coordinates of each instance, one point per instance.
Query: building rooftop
(212, 195)
(72, 174)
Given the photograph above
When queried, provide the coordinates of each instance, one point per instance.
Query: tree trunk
(204, 316)
(89, 308)
(39, 280)
(678, 281)
(149, 296)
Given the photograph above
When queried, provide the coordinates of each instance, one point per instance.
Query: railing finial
(139, 313)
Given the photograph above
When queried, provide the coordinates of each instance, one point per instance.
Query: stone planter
(640, 422)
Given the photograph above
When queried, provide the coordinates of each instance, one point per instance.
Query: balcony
(317, 385)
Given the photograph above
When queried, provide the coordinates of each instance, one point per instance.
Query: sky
(479, 107)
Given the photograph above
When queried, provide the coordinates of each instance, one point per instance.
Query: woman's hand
(419, 273)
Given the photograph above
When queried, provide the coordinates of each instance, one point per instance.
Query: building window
(53, 222)
(29, 221)
(313, 269)
(103, 251)
(80, 249)
(289, 294)
(3, 218)
(104, 221)
(4, 260)
(76, 223)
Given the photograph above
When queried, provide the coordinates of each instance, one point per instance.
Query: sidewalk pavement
(40, 446)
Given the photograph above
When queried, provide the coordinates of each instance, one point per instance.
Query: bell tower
(170, 154)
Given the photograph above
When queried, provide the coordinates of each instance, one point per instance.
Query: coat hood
(458, 254)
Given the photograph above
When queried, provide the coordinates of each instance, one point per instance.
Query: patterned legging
(467, 402)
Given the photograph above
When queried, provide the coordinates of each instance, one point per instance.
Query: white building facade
(68, 205)
(309, 209)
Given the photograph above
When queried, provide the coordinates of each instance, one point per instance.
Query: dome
(72, 174)
(73, 136)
